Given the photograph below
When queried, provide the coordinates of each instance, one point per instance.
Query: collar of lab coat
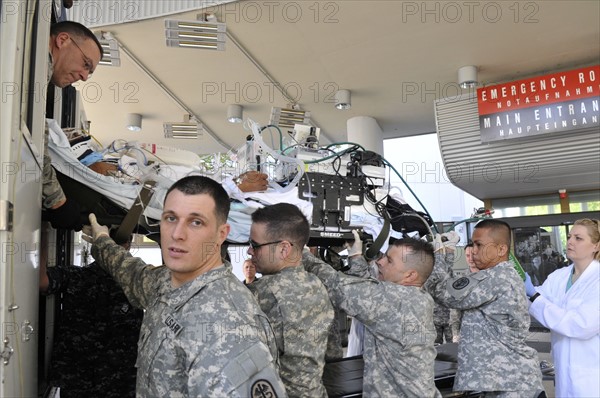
(591, 274)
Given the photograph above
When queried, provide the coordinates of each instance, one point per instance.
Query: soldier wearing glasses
(295, 301)
(74, 52)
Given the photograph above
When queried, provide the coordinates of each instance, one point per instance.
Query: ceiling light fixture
(134, 122)
(235, 113)
(342, 99)
(467, 77)
(188, 129)
(287, 118)
(181, 130)
(110, 49)
(195, 34)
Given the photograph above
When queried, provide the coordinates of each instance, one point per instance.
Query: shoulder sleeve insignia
(262, 389)
(461, 283)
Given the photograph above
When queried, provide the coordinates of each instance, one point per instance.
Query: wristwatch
(532, 298)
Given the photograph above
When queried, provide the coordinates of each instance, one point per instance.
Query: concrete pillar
(365, 130)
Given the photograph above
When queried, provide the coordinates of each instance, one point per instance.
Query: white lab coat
(574, 318)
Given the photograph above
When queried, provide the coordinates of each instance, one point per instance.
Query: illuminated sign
(562, 101)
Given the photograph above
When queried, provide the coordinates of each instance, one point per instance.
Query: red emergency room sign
(558, 102)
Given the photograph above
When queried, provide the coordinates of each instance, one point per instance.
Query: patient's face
(190, 236)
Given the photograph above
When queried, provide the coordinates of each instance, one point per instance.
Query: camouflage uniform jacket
(301, 314)
(52, 192)
(441, 313)
(95, 346)
(492, 353)
(207, 338)
(399, 353)
(445, 319)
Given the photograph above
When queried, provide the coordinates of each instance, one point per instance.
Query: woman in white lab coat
(568, 303)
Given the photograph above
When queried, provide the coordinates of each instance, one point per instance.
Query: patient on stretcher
(118, 172)
(90, 155)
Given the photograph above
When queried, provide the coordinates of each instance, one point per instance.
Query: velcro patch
(262, 389)
(461, 283)
(173, 325)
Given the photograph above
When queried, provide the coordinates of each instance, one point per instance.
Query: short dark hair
(469, 244)
(421, 256)
(197, 185)
(500, 229)
(75, 29)
(284, 220)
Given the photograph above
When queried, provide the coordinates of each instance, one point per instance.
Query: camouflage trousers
(441, 332)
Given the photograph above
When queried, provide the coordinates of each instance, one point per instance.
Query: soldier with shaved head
(492, 354)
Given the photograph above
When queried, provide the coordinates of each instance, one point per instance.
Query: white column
(365, 130)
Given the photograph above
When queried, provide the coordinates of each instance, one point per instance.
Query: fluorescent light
(287, 118)
(110, 50)
(195, 44)
(195, 34)
(181, 130)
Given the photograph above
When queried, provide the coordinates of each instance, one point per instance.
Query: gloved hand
(94, 230)
(355, 248)
(445, 241)
(67, 216)
(451, 239)
(529, 288)
(437, 243)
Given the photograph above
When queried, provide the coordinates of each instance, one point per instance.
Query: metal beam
(172, 95)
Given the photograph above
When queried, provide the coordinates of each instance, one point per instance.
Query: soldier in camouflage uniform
(443, 315)
(492, 354)
(456, 315)
(203, 333)
(95, 345)
(397, 313)
(295, 301)
(249, 270)
(73, 52)
(441, 320)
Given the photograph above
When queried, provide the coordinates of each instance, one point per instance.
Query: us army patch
(461, 283)
(262, 389)
(173, 325)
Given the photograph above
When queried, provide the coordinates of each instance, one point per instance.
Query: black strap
(373, 251)
(131, 218)
(532, 298)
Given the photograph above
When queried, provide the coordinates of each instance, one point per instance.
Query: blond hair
(593, 229)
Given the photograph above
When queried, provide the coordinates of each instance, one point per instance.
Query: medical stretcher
(335, 198)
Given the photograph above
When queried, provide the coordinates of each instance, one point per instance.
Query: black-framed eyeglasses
(255, 245)
(87, 62)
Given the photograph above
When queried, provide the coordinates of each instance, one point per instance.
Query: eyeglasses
(255, 245)
(87, 62)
